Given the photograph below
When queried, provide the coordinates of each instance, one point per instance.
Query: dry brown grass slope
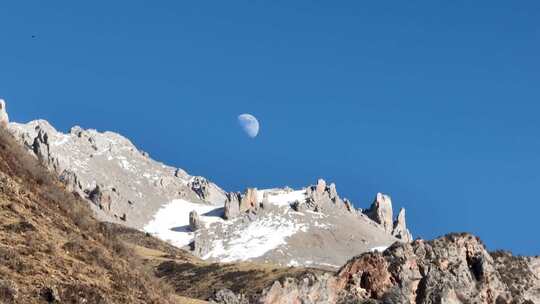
(195, 278)
(52, 250)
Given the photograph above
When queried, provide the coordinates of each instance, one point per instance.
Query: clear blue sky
(433, 102)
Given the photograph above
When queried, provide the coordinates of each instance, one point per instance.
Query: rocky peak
(381, 212)
(400, 230)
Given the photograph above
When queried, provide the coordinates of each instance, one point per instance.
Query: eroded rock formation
(381, 212)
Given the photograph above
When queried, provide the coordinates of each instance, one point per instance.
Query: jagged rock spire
(381, 212)
(400, 230)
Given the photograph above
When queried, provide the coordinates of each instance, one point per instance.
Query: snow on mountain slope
(171, 222)
(279, 233)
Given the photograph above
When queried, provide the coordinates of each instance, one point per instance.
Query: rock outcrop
(71, 181)
(381, 212)
(194, 221)
(200, 186)
(232, 205)
(237, 204)
(454, 269)
(249, 200)
(103, 197)
(309, 289)
(321, 186)
(4, 118)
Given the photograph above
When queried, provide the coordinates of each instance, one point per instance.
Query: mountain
(312, 226)
(265, 246)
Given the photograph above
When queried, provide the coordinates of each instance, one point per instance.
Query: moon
(249, 124)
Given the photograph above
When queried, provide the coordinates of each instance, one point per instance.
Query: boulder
(4, 118)
(381, 212)
(194, 221)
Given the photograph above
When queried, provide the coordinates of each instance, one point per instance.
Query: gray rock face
(4, 118)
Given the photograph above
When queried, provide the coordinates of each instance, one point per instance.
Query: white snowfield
(256, 239)
(171, 222)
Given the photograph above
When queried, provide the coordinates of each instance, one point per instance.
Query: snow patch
(171, 222)
(255, 239)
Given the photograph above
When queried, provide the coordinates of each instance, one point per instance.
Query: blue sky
(433, 102)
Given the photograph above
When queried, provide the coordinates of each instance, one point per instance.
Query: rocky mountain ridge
(289, 227)
(53, 251)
